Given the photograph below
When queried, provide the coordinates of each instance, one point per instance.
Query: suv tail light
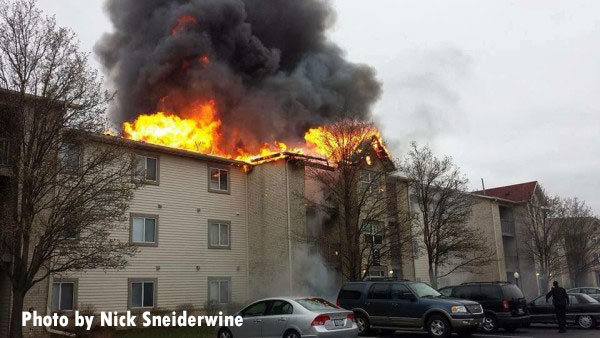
(505, 306)
(337, 302)
(351, 317)
(320, 320)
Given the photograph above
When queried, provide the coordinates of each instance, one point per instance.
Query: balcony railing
(508, 226)
(4, 152)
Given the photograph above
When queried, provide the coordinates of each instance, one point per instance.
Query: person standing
(560, 299)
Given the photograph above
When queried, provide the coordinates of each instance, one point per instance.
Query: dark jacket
(559, 296)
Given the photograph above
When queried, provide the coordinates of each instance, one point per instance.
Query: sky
(509, 89)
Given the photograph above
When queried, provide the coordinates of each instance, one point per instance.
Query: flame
(182, 22)
(197, 130)
(326, 142)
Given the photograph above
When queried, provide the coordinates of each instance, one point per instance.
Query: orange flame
(182, 22)
(325, 142)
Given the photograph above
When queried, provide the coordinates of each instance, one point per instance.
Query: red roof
(521, 192)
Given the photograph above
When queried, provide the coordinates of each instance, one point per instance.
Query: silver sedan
(292, 318)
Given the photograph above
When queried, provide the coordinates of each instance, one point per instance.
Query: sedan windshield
(588, 299)
(424, 290)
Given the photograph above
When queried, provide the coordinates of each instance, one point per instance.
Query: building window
(146, 168)
(69, 228)
(370, 181)
(69, 156)
(142, 293)
(373, 231)
(219, 290)
(144, 229)
(63, 295)
(219, 180)
(373, 273)
(219, 234)
(4, 152)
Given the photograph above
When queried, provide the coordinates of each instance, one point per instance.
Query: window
(142, 293)
(316, 304)
(69, 228)
(379, 291)
(146, 168)
(4, 152)
(400, 291)
(69, 156)
(219, 234)
(218, 290)
(368, 181)
(468, 292)
(255, 310)
(373, 231)
(491, 292)
(63, 295)
(376, 273)
(446, 291)
(542, 300)
(218, 180)
(144, 229)
(280, 307)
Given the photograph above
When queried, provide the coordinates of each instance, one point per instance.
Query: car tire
(291, 334)
(438, 326)
(224, 333)
(586, 322)
(364, 327)
(490, 324)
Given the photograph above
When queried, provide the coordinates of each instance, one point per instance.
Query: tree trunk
(432, 276)
(16, 328)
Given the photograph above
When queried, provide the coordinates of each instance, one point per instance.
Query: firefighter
(560, 299)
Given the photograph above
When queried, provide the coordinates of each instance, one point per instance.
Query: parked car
(392, 305)
(592, 291)
(292, 318)
(583, 310)
(503, 303)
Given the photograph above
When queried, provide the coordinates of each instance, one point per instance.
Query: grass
(168, 332)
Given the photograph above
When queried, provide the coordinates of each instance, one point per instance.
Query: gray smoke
(272, 72)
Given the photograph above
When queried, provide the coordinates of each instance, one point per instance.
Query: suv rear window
(316, 304)
(512, 292)
(379, 291)
(351, 291)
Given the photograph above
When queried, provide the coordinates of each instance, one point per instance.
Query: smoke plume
(267, 64)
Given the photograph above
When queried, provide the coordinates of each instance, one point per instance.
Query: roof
(521, 192)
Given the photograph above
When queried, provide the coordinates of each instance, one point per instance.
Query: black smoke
(272, 71)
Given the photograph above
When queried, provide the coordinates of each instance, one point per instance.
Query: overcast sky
(509, 89)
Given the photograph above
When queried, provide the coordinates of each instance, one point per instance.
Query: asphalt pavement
(545, 331)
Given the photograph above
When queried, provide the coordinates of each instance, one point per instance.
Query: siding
(184, 206)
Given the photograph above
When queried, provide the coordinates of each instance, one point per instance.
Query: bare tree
(362, 223)
(67, 193)
(581, 237)
(542, 240)
(445, 207)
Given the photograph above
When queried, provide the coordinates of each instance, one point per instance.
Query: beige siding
(182, 261)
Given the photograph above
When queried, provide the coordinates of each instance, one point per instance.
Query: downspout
(49, 313)
(496, 241)
(247, 243)
(409, 205)
(289, 224)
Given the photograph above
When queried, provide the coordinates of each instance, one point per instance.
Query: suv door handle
(282, 319)
(258, 320)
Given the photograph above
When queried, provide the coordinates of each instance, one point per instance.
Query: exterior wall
(485, 217)
(182, 263)
(276, 227)
(528, 281)
(5, 294)
(36, 299)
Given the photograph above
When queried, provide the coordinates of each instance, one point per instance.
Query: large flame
(197, 130)
(329, 143)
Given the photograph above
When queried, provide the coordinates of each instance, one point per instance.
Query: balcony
(508, 227)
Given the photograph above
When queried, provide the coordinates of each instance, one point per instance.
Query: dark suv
(391, 305)
(503, 303)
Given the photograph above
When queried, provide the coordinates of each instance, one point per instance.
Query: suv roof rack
(496, 282)
(384, 279)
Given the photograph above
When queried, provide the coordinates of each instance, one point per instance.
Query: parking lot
(546, 331)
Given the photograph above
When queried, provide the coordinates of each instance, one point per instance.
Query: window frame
(80, 149)
(145, 179)
(144, 216)
(220, 222)
(211, 166)
(222, 280)
(61, 281)
(131, 281)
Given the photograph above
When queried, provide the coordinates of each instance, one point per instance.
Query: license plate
(338, 322)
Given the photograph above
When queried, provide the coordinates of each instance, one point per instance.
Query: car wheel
(363, 325)
(490, 324)
(291, 334)
(586, 322)
(224, 333)
(438, 326)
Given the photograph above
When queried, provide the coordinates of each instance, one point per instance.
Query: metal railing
(508, 226)
(4, 152)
